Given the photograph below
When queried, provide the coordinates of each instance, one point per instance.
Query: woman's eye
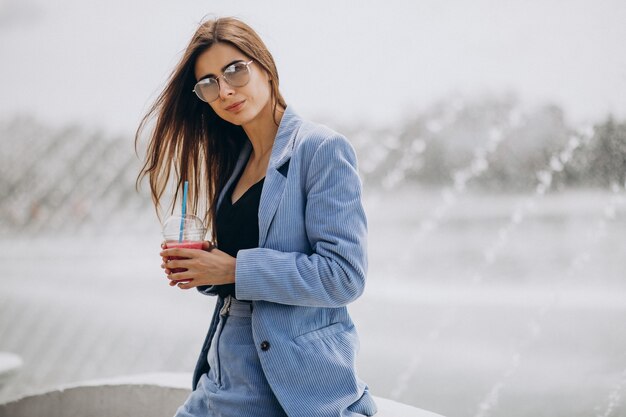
(237, 68)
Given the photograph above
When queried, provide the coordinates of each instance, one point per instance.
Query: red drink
(185, 244)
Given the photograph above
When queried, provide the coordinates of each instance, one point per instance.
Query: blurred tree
(433, 145)
(606, 162)
(526, 150)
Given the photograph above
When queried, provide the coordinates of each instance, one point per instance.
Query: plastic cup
(192, 236)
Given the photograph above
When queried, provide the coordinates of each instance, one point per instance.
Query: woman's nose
(225, 89)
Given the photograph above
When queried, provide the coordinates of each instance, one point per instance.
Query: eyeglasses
(236, 75)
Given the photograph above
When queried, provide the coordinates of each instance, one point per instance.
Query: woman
(284, 205)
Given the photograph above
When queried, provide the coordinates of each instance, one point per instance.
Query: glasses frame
(217, 79)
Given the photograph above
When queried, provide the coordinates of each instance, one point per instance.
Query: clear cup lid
(192, 227)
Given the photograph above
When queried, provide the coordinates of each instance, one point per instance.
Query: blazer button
(265, 345)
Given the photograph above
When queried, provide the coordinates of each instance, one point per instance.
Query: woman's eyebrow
(223, 68)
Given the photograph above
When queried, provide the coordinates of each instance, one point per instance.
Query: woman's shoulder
(313, 135)
(320, 148)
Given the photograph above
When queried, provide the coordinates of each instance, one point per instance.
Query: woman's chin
(239, 119)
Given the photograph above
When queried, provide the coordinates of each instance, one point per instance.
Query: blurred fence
(59, 181)
(63, 179)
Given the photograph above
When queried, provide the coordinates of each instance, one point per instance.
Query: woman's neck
(262, 132)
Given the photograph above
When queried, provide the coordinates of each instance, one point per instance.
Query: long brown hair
(189, 136)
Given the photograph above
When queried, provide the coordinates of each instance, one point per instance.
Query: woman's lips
(235, 106)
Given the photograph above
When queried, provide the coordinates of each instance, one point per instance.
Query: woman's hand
(209, 266)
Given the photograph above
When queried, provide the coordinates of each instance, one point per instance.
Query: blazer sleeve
(334, 274)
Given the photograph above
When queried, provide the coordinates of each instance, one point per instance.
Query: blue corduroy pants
(235, 386)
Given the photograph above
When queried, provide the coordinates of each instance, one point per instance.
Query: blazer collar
(285, 138)
(276, 176)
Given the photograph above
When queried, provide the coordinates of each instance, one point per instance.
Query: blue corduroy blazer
(311, 262)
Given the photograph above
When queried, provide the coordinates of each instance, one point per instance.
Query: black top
(237, 225)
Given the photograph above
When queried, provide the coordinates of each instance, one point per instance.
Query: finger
(163, 245)
(173, 283)
(208, 246)
(178, 263)
(187, 285)
(178, 276)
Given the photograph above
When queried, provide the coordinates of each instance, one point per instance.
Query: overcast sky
(102, 62)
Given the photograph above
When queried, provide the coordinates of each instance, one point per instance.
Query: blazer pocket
(319, 333)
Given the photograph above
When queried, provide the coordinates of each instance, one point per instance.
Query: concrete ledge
(150, 395)
(10, 365)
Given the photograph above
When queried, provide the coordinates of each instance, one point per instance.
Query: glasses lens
(237, 74)
(207, 90)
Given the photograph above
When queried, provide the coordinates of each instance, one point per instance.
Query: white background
(103, 62)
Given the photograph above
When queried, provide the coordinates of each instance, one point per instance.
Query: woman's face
(237, 105)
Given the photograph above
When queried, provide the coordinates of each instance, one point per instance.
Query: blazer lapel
(276, 174)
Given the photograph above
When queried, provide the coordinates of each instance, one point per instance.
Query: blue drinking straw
(182, 219)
